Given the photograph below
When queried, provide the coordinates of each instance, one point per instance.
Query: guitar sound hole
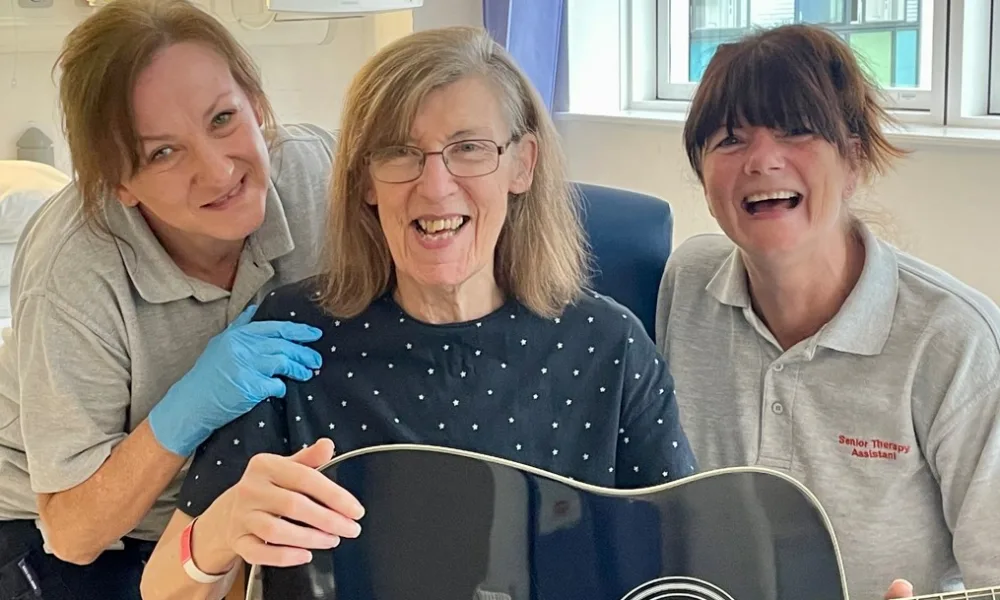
(680, 588)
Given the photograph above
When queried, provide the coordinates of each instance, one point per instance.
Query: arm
(164, 577)
(203, 495)
(664, 298)
(963, 450)
(87, 518)
(94, 481)
(653, 439)
(245, 493)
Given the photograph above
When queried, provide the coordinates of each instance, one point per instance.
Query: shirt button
(778, 367)
(778, 408)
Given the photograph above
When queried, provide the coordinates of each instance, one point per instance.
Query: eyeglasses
(466, 158)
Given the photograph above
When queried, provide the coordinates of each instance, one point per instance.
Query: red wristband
(187, 560)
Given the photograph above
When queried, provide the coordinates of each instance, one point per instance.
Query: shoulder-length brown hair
(100, 61)
(541, 253)
(792, 77)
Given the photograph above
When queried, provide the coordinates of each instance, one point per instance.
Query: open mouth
(771, 201)
(438, 229)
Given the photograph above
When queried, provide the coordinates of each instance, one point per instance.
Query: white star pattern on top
(565, 403)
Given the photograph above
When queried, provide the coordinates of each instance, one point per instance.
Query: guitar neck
(990, 593)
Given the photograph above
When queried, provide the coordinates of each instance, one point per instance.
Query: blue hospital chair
(631, 235)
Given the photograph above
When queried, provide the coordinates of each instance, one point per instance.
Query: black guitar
(444, 524)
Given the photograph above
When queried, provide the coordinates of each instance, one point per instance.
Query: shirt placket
(253, 272)
(776, 414)
(777, 392)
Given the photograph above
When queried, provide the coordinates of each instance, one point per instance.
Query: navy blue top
(585, 395)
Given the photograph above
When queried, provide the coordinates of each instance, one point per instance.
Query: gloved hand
(237, 370)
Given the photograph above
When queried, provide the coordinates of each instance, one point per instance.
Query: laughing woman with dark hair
(869, 375)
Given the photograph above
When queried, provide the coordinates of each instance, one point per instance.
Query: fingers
(271, 387)
(256, 552)
(285, 508)
(306, 512)
(316, 485)
(295, 332)
(317, 455)
(281, 532)
(900, 588)
(270, 366)
(291, 474)
(303, 355)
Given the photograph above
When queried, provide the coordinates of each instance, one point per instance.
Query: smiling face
(774, 192)
(205, 168)
(442, 229)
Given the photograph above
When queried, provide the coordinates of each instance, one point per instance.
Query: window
(937, 60)
(895, 39)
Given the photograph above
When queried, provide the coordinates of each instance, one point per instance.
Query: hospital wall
(304, 82)
(941, 203)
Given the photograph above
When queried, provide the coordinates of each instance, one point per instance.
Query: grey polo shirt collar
(159, 280)
(863, 323)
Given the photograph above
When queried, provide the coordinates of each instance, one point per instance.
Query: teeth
(436, 225)
(776, 195)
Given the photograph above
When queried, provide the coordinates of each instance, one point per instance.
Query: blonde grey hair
(541, 256)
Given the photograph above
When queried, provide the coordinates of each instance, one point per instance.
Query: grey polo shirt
(889, 414)
(104, 325)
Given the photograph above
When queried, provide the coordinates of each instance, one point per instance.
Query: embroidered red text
(873, 447)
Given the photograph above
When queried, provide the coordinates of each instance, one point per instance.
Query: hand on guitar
(283, 507)
(900, 588)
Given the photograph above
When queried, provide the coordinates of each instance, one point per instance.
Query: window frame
(908, 105)
(993, 101)
(972, 50)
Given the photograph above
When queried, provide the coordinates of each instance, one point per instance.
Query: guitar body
(444, 524)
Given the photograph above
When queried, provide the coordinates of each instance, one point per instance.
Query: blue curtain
(531, 30)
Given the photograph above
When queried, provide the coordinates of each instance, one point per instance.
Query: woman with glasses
(454, 312)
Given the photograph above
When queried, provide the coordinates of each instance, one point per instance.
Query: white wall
(941, 201)
(304, 82)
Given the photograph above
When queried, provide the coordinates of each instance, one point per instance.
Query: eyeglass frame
(500, 149)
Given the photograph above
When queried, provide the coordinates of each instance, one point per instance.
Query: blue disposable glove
(239, 368)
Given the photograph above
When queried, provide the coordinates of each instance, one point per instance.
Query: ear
(525, 158)
(370, 198)
(852, 184)
(126, 197)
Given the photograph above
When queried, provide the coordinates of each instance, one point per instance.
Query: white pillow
(24, 187)
(6, 262)
(4, 305)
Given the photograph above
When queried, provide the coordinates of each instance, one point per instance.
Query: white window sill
(908, 134)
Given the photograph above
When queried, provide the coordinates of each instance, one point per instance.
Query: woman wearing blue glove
(132, 339)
